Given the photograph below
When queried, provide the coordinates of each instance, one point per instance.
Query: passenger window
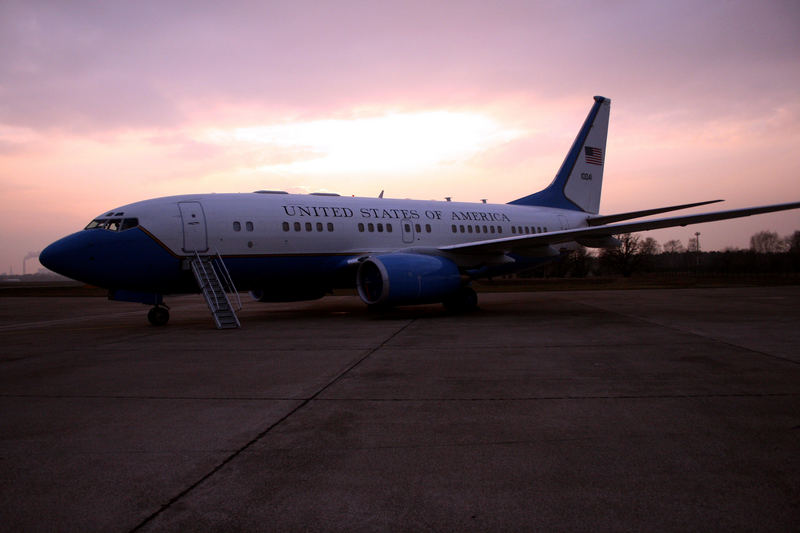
(319, 226)
(418, 228)
(484, 230)
(408, 228)
(461, 228)
(527, 230)
(500, 229)
(469, 229)
(371, 227)
(477, 229)
(297, 226)
(380, 227)
(285, 226)
(249, 226)
(513, 229)
(455, 230)
(237, 226)
(330, 226)
(491, 228)
(388, 228)
(361, 227)
(545, 229)
(428, 228)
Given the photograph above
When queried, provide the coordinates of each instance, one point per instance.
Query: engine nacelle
(287, 294)
(399, 279)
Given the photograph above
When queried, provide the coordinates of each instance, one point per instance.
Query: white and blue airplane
(289, 247)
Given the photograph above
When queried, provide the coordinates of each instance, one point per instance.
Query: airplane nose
(59, 256)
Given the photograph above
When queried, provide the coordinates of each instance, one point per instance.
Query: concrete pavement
(585, 410)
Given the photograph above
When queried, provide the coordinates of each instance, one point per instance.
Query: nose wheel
(158, 316)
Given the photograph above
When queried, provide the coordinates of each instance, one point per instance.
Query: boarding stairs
(215, 283)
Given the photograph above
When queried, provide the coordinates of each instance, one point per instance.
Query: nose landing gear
(158, 315)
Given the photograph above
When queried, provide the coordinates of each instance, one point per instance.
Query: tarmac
(620, 410)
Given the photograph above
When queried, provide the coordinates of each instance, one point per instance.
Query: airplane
(291, 247)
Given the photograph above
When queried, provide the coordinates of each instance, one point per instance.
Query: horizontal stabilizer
(608, 219)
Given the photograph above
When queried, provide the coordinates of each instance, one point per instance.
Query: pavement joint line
(424, 400)
(562, 345)
(55, 322)
(577, 398)
(690, 332)
(126, 397)
(272, 426)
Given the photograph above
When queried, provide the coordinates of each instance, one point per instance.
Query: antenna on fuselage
(381, 194)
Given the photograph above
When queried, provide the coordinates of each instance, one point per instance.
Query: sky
(107, 103)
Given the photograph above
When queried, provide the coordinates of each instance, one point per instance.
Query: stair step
(207, 276)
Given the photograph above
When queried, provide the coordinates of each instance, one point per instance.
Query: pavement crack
(275, 424)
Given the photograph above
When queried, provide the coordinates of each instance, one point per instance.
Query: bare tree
(792, 242)
(674, 247)
(650, 246)
(632, 254)
(766, 242)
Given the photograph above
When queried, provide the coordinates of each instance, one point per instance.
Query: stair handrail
(227, 281)
(207, 288)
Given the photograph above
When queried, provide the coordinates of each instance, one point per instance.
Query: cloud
(91, 67)
(102, 103)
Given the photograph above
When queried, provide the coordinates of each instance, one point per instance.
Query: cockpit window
(113, 224)
(128, 223)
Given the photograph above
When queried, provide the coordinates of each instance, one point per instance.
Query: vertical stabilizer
(579, 181)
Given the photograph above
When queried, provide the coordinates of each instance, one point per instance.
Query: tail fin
(579, 181)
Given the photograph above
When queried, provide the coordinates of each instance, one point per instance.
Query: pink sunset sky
(107, 103)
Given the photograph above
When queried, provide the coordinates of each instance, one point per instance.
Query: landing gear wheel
(462, 301)
(158, 316)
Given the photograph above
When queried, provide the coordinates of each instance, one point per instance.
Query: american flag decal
(594, 156)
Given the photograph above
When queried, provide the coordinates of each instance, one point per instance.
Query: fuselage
(271, 239)
(287, 247)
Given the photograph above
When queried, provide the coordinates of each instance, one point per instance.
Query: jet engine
(402, 278)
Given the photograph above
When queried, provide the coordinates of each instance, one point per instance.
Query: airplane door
(408, 231)
(194, 227)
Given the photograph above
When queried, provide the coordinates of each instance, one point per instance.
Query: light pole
(697, 247)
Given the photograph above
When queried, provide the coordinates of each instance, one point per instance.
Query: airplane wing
(522, 242)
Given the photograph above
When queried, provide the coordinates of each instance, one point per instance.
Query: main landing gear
(158, 315)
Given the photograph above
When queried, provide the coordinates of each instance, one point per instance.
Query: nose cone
(129, 260)
(62, 256)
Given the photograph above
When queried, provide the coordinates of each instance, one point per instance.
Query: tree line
(768, 253)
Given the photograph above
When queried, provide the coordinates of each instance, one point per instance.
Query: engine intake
(401, 278)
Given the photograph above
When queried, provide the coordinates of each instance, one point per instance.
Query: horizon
(105, 105)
